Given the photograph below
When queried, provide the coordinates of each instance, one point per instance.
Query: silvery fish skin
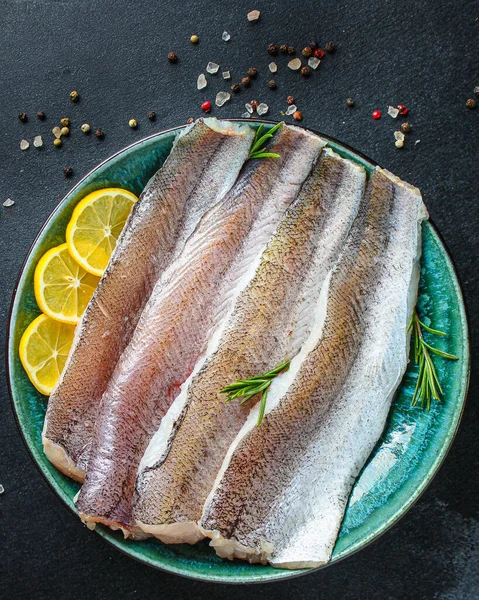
(200, 169)
(282, 491)
(186, 304)
(270, 322)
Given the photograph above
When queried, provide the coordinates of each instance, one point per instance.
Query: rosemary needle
(247, 388)
(258, 150)
(428, 386)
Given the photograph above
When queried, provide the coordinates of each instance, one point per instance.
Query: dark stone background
(114, 53)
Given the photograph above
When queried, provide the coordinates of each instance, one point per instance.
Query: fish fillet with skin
(283, 488)
(186, 303)
(202, 166)
(270, 322)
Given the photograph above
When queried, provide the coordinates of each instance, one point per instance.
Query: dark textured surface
(422, 53)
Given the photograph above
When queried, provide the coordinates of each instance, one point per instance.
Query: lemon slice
(95, 225)
(62, 287)
(43, 351)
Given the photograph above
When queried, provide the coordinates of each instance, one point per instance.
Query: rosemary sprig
(247, 388)
(428, 386)
(258, 150)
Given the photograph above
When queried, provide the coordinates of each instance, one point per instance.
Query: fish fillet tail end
(230, 548)
(60, 459)
(187, 532)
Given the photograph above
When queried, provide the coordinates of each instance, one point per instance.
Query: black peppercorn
(235, 88)
(290, 100)
(172, 57)
(307, 51)
(350, 102)
(272, 84)
(246, 81)
(313, 45)
(99, 134)
(329, 47)
(23, 117)
(291, 49)
(151, 115)
(68, 171)
(41, 115)
(273, 49)
(283, 48)
(471, 103)
(253, 73)
(254, 104)
(305, 71)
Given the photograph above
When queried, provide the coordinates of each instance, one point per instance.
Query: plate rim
(284, 574)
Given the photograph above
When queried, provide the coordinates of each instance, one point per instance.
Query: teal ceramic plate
(404, 461)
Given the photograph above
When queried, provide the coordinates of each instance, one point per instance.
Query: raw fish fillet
(282, 491)
(190, 300)
(270, 322)
(202, 166)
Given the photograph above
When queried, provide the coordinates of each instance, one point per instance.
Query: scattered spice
(57, 142)
(405, 127)
(318, 53)
(226, 75)
(273, 49)
(24, 145)
(399, 143)
(330, 47)
(291, 109)
(305, 71)
(225, 36)
(246, 82)
(393, 112)
(262, 109)
(253, 15)
(23, 117)
(273, 67)
(41, 115)
(297, 115)
(272, 84)
(8, 202)
(221, 98)
(313, 44)
(172, 57)
(194, 39)
(307, 51)
(399, 135)
(38, 141)
(190, 120)
(57, 131)
(235, 88)
(65, 122)
(85, 128)
(283, 48)
(212, 68)
(206, 106)
(290, 100)
(249, 108)
(132, 123)
(376, 114)
(201, 82)
(99, 134)
(476, 90)
(471, 103)
(313, 62)
(403, 109)
(295, 64)
(253, 104)
(68, 172)
(151, 115)
(253, 73)
(74, 96)
(291, 49)
(350, 102)
(65, 131)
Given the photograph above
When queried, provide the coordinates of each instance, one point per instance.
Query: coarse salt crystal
(57, 132)
(221, 98)
(393, 112)
(262, 109)
(2, 489)
(399, 143)
(226, 75)
(416, 142)
(37, 141)
(226, 36)
(248, 107)
(291, 109)
(201, 83)
(399, 135)
(273, 67)
(24, 145)
(8, 202)
(313, 62)
(253, 15)
(212, 68)
(246, 115)
(295, 64)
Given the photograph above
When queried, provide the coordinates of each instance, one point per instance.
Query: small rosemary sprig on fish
(428, 386)
(258, 150)
(247, 388)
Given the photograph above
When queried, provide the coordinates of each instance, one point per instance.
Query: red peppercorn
(206, 106)
(376, 114)
(318, 53)
(403, 109)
